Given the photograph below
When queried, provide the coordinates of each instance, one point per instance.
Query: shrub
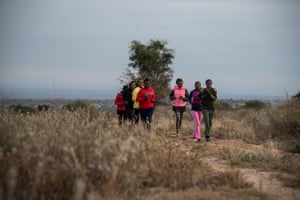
(297, 96)
(290, 181)
(266, 159)
(222, 105)
(23, 109)
(85, 154)
(285, 120)
(78, 104)
(255, 104)
(43, 107)
(257, 126)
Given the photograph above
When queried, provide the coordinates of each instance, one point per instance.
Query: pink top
(179, 92)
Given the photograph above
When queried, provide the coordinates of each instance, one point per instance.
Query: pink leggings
(197, 116)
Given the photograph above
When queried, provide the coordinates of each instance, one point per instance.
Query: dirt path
(264, 181)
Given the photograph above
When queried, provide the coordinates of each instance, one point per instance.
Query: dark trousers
(121, 116)
(129, 114)
(146, 117)
(179, 115)
(136, 115)
(208, 116)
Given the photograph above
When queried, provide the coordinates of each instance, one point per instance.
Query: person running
(136, 105)
(146, 98)
(179, 95)
(129, 102)
(196, 110)
(208, 97)
(119, 101)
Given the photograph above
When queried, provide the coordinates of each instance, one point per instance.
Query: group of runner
(138, 100)
(134, 101)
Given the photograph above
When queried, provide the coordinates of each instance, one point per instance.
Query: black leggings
(179, 115)
(121, 116)
(146, 117)
(136, 115)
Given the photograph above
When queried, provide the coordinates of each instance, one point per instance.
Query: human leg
(200, 116)
(207, 122)
(196, 124)
(132, 116)
(180, 119)
(177, 118)
(211, 115)
(136, 115)
(120, 117)
(149, 114)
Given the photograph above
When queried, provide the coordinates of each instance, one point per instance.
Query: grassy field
(84, 154)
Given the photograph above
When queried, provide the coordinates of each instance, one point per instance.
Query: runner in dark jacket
(208, 97)
(129, 113)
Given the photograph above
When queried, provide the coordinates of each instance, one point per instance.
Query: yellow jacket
(136, 104)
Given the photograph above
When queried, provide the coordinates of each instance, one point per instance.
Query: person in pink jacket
(179, 95)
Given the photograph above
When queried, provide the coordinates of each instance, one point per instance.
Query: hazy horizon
(100, 94)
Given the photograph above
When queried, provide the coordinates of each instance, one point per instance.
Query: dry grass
(267, 159)
(258, 126)
(85, 155)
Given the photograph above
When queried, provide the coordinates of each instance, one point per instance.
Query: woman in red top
(146, 98)
(121, 109)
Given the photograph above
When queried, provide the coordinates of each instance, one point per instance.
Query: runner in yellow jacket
(136, 105)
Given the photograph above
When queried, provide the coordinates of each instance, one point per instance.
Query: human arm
(200, 96)
(172, 97)
(140, 97)
(116, 100)
(186, 96)
(212, 94)
(190, 97)
(153, 97)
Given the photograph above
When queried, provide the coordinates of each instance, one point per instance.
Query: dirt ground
(267, 182)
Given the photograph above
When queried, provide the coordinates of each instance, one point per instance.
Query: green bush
(22, 109)
(255, 104)
(223, 105)
(285, 120)
(297, 96)
(78, 104)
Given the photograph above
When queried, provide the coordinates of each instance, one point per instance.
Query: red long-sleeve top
(119, 102)
(146, 97)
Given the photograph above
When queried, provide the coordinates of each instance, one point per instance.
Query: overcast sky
(248, 47)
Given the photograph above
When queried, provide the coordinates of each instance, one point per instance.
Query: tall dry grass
(258, 126)
(84, 154)
(276, 128)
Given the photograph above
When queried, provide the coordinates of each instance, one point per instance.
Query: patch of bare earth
(263, 181)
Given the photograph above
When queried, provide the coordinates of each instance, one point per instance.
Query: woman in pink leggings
(196, 110)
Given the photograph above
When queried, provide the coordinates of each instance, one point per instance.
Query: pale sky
(248, 47)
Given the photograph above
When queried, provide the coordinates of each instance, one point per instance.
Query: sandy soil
(265, 181)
